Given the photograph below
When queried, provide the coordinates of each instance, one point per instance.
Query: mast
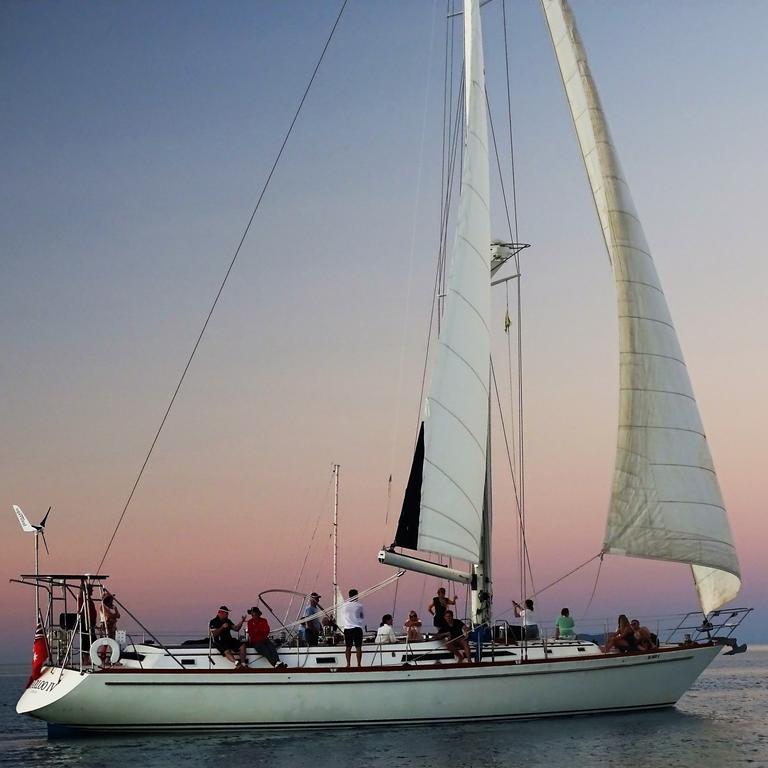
(446, 507)
(336, 468)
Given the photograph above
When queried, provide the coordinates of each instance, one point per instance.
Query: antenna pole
(336, 468)
(37, 574)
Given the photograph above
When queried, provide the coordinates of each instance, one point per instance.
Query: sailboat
(665, 504)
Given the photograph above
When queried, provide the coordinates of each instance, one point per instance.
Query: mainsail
(443, 509)
(666, 502)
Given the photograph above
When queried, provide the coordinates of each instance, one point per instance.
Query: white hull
(132, 699)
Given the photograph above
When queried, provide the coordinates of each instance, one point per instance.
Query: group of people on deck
(630, 636)
(221, 628)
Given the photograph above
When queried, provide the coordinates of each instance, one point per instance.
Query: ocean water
(721, 723)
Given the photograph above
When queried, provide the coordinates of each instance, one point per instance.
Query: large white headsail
(666, 502)
(448, 484)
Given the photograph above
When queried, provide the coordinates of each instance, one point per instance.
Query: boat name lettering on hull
(44, 685)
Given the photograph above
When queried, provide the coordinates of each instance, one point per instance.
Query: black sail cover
(408, 528)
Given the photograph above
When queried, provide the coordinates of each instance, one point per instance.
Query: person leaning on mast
(221, 627)
(530, 622)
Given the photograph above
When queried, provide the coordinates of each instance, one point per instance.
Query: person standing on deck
(353, 622)
(312, 626)
(530, 622)
(438, 607)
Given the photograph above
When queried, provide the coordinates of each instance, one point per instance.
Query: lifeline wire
(223, 282)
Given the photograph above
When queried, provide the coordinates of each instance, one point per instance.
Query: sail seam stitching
(459, 488)
(479, 138)
(649, 319)
(467, 185)
(654, 354)
(472, 307)
(703, 503)
(640, 282)
(471, 554)
(475, 251)
(466, 428)
(658, 391)
(685, 466)
(469, 366)
(651, 426)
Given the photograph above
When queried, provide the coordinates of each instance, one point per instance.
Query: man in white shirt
(352, 622)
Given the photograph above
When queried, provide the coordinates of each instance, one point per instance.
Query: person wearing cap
(221, 627)
(312, 625)
(258, 638)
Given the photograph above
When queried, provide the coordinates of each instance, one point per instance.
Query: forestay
(666, 502)
(442, 512)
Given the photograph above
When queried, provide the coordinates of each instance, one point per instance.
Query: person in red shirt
(258, 638)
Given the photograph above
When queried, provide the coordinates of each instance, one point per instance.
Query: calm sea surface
(722, 722)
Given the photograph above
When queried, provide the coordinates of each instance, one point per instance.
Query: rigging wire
(440, 270)
(525, 557)
(411, 258)
(223, 283)
(312, 538)
(594, 588)
(520, 389)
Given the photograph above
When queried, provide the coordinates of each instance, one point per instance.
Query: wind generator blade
(42, 522)
(25, 524)
(45, 543)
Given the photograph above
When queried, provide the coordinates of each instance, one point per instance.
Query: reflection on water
(721, 722)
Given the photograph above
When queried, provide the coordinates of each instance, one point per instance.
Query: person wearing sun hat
(221, 627)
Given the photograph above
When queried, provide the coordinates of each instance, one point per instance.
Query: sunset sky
(134, 141)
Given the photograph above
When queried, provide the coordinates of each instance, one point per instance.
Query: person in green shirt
(564, 626)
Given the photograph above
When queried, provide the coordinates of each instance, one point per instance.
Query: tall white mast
(336, 468)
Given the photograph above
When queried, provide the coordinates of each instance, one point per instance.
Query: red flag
(39, 654)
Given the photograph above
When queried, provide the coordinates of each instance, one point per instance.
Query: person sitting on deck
(412, 628)
(221, 634)
(564, 626)
(385, 633)
(455, 634)
(258, 638)
(646, 641)
(623, 639)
